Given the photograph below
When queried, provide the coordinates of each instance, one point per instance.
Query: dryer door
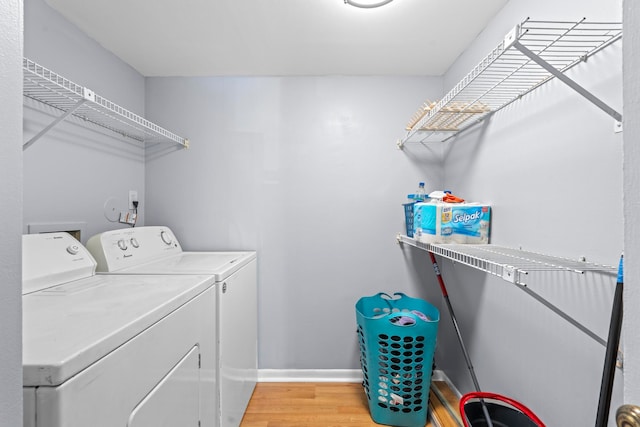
(174, 402)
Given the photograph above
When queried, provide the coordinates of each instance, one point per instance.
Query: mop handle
(467, 358)
(613, 341)
(443, 288)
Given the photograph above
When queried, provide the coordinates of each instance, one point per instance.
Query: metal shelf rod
(564, 315)
(566, 80)
(52, 124)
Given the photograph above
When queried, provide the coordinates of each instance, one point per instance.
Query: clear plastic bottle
(420, 194)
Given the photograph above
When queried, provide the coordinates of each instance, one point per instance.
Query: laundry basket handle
(392, 301)
(486, 395)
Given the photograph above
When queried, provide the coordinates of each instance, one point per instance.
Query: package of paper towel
(435, 221)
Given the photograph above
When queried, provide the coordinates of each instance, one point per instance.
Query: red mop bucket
(503, 411)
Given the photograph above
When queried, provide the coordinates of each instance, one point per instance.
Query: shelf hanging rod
(569, 82)
(562, 314)
(53, 124)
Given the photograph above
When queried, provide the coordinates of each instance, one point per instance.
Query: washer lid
(68, 327)
(220, 265)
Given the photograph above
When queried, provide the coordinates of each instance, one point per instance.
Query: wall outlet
(133, 197)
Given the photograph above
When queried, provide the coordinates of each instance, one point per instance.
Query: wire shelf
(507, 73)
(49, 88)
(510, 264)
(513, 265)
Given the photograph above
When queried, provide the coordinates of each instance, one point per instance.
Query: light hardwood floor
(325, 405)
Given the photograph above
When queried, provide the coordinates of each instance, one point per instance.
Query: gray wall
(10, 213)
(306, 172)
(75, 170)
(269, 171)
(631, 119)
(551, 167)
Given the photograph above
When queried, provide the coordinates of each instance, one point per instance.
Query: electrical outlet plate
(133, 197)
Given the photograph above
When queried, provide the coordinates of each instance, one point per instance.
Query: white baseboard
(327, 375)
(441, 376)
(310, 375)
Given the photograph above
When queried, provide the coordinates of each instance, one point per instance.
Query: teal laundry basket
(397, 337)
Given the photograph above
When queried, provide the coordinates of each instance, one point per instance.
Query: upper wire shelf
(530, 55)
(47, 87)
(511, 264)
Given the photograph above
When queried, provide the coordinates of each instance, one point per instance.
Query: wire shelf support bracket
(531, 54)
(71, 99)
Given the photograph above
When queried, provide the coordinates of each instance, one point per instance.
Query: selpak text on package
(439, 222)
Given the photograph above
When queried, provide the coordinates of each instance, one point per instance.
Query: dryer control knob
(122, 244)
(73, 249)
(134, 242)
(166, 238)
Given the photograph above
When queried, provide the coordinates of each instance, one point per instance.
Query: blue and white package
(451, 222)
(470, 223)
(425, 219)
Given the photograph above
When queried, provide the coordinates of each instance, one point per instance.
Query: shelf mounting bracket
(562, 314)
(53, 124)
(569, 82)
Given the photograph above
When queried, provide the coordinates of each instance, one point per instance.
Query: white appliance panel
(237, 320)
(101, 350)
(118, 249)
(235, 274)
(175, 400)
(154, 254)
(216, 264)
(68, 327)
(53, 258)
(107, 393)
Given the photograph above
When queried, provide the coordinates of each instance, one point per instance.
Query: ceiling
(282, 37)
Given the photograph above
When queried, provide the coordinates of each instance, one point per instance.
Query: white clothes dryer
(106, 351)
(156, 250)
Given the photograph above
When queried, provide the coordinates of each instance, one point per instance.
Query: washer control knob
(73, 249)
(134, 242)
(122, 244)
(166, 238)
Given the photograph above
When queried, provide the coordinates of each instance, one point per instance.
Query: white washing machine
(156, 250)
(105, 351)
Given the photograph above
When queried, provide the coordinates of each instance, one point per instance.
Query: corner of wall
(11, 46)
